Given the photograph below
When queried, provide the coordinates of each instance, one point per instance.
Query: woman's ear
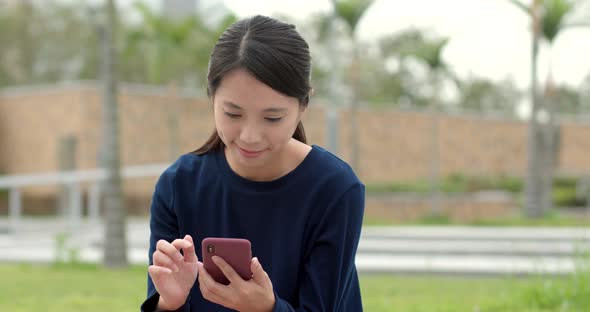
(302, 109)
(212, 102)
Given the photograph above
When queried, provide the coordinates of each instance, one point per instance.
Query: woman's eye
(274, 119)
(230, 115)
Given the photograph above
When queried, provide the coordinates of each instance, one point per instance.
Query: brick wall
(394, 145)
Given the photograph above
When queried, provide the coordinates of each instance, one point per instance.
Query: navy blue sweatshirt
(304, 227)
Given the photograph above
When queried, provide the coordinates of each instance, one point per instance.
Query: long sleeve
(163, 225)
(309, 247)
(330, 281)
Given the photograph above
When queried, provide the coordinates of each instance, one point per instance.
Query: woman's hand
(255, 295)
(172, 273)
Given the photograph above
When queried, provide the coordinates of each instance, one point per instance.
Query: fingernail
(215, 259)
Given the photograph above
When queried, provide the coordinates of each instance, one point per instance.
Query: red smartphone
(236, 252)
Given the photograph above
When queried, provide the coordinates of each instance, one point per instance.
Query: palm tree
(44, 44)
(549, 18)
(351, 12)
(401, 46)
(483, 95)
(174, 51)
(163, 40)
(413, 43)
(554, 21)
(431, 54)
(164, 43)
(323, 33)
(115, 240)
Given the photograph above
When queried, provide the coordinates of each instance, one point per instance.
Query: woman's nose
(251, 134)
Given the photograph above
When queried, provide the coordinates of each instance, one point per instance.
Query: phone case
(236, 252)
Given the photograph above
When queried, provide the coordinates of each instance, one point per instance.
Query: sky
(488, 38)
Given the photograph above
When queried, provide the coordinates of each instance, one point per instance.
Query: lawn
(470, 294)
(554, 219)
(90, 288)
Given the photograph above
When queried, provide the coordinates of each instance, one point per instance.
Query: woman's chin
(249, 159)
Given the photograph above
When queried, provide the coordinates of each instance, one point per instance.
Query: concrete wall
(395, 145)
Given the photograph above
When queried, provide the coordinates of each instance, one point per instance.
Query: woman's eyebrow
(268, 110)
(275, 110)
(231, 104)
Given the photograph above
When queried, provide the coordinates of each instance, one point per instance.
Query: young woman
(256, 178)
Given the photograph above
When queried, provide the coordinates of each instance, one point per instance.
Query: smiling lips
(249, 154)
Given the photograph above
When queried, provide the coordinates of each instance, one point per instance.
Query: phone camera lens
(211, 249)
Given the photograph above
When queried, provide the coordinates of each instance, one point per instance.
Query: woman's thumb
(258, 274)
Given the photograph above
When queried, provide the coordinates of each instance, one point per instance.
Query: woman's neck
(289, 158)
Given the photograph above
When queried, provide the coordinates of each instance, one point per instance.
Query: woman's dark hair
(270, 50)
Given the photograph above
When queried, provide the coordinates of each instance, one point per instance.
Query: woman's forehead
(240, 90)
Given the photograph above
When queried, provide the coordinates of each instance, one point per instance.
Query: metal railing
(72, 180)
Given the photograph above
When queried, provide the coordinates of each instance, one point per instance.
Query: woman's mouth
(249, 154)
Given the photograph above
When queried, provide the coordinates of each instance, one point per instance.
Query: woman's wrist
(272, 303)
(165, 306)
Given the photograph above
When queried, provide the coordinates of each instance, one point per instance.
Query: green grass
(437, 293)
(3, 194)
(91, 288)
(564, 188)
(552, 220)
(517, 221)
(452, 184)
(70, 288)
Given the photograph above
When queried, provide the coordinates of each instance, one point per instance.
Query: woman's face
(254, 121)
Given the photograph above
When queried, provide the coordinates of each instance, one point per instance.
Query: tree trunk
(66, 156)
(550, 145)
(435, 192)
(173, 122)
(26, 42)
(534, 185)
(115, 241)
(354, 137)
(546, 163)
(331, 111)
(551, 156)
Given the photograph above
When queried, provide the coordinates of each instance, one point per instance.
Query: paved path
(406, 249)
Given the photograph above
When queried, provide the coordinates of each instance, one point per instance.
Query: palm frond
(521, 6)
(553, 17)
(351, 11)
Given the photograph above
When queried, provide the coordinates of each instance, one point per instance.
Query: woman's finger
(189, 252)
(181, 243)
(163, 260)
(260, 276)
(209, 295)
(227, 270)
(156, 271)
(206, 280)
(169, 250)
